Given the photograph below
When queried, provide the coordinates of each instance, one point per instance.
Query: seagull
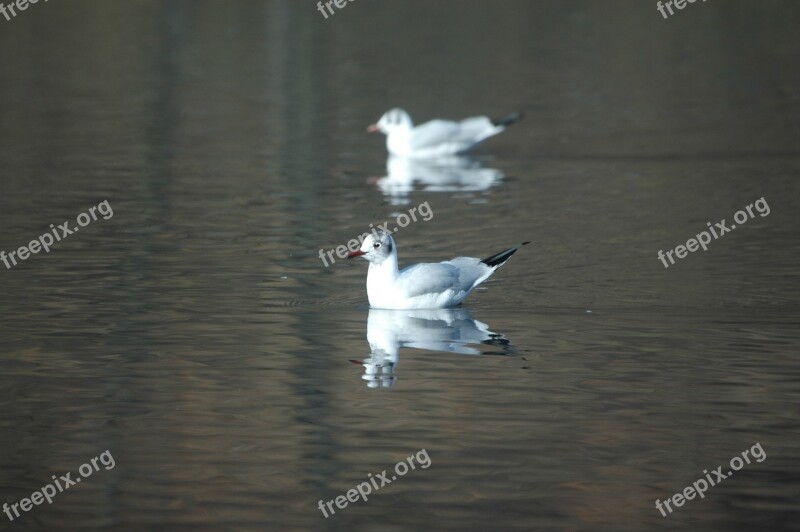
(436, 138)
(421, 286)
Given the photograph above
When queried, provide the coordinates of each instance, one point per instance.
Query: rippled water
(197, 336)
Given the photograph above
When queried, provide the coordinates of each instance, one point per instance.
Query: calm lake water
(197, 336)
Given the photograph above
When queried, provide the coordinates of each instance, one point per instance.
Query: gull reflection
(444, 174)
(448, 330)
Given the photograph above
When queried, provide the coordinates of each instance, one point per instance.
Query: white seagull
(421, 286)
(436, 138)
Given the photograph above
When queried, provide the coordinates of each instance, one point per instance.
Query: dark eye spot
(376, 245)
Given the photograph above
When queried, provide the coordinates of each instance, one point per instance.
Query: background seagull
(422, 286)
(437, 137)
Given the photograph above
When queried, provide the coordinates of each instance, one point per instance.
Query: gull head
(376, 248)
(394, 120)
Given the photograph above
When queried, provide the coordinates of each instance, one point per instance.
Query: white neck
(381, 279)
(398, 140)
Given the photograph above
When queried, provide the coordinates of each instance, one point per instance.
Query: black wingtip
(503, 256)
(508, 119)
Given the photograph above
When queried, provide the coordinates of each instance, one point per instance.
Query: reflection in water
(449, 330)
(443, 174)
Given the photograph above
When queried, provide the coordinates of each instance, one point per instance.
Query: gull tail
(508, 119)
(495, 261)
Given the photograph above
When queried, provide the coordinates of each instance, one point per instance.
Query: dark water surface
(236, 381)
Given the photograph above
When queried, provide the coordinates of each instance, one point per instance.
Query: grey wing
(472, 271)
(476, 129)
(422, 279)
(433, 133)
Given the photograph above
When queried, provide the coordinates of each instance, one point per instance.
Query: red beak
(373, 128)
(354, 254)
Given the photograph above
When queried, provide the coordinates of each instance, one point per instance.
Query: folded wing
(434, 133)
(459, 275)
